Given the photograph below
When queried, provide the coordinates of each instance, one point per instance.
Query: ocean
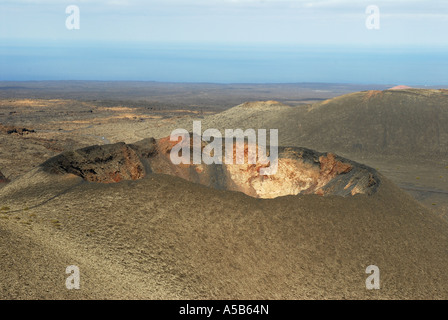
(221, 63)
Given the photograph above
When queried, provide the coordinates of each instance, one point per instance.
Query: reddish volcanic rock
(331, 167)
(400, 87)
(299, 171)
(372, 94)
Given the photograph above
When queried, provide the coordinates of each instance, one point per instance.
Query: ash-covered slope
(162, 237)
(405, 122)
(410, 122)
(158, 236)
(300, 170)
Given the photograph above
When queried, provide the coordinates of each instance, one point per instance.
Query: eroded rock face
(300, 170)
(106, 164)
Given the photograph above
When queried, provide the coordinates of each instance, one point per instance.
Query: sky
(226, 41)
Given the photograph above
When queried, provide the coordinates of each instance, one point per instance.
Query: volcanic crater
(300, 170)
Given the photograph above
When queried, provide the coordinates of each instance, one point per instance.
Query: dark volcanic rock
(15, 130)
(106, 164)
(3, 179)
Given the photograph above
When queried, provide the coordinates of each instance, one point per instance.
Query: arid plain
(154, 235)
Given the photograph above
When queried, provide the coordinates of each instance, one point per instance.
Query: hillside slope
(164, 237)
(410, 122)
